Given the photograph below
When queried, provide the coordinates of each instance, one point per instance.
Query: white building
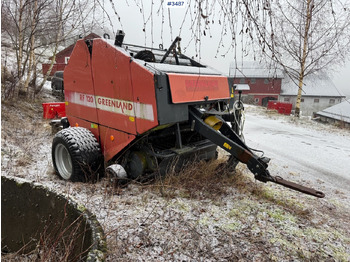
(319, 92)
(338, 114)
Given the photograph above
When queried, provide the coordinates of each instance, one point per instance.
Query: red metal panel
(113, 141)
(113, 88)
(54, 110)
(190, 88)
(282, 108)
(285, 108)
(272, 105)
(94, 128)
(78, 85)
(144, 97)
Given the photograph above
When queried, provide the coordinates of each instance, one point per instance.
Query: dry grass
(197, 180)
(55, 243)
(23, 129)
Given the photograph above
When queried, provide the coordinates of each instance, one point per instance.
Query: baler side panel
(168, 113)
(145, 99)
(197, 88)
(78, 85)
(74, 121)
(113, 88)
(113, 141)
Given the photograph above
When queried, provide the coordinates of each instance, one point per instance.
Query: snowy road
(308, 152)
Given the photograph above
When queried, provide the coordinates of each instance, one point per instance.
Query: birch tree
(303, 37)
(26, 23)
(23, 18)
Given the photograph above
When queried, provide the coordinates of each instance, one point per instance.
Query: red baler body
(114, 96)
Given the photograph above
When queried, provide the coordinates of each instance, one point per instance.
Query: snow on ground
(250, 221)
(307, 149)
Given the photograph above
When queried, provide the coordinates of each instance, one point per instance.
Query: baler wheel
(76, 154)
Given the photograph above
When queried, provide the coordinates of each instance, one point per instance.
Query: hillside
(205, 213)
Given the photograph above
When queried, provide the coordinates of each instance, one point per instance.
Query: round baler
(138, 110)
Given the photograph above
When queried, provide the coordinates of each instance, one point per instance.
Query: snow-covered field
(247, 221)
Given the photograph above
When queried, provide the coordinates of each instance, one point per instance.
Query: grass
(205, 211)
(197, 180)
(259, 207)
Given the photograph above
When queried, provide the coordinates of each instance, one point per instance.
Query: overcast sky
(132, 22)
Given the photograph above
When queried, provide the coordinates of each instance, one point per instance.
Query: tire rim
(63, 162)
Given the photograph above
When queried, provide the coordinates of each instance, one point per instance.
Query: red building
(264, 84)
(62, 57)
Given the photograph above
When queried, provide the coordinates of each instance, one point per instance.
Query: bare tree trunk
(57, 40)
(52, 62)
(20, 37)
(20, 42)
(31, 64)
(310, 4)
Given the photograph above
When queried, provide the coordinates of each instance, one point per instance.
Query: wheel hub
(63, 161)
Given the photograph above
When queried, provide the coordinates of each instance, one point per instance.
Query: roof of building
(70, 47)
(254, 69)
(242, 87)
(339, 111)
(313, 85)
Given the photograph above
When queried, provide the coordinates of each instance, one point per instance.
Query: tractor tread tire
(84, 151)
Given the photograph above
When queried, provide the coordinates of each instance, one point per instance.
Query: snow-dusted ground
(305, 148)
(251, 221)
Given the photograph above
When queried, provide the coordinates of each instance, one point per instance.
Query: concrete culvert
(37, 220)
